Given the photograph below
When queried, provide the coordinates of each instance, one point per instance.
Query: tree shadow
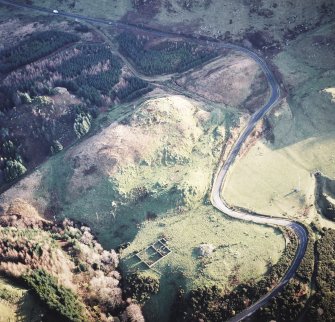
(31, 309)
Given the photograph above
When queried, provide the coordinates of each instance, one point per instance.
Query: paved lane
(217, 201)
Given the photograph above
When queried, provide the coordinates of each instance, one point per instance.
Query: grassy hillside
(147, 177)
(271, 19)
(280, 171)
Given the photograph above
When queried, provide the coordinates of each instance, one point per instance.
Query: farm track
(298, 229)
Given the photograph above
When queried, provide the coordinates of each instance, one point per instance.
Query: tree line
(89, 71)
(36, 46)
(322, 308)
(11, 162)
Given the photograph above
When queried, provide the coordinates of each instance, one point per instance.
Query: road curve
(298, 229)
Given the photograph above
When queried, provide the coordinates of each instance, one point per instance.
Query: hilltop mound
(148, 177)
(160, 158)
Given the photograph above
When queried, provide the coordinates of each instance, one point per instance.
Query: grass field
(265, 178)
(239, 253)
(7, 313)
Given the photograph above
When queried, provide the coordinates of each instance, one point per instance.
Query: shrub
(82, 124)
(43, 101)
(9, 296)
(82, 28)
(132, 313)
(58, 298)
(140, 286)
(13, 170)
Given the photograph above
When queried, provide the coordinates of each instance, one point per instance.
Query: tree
(82, 124)
(132, 313)
(25, 98)
(4, 132)
(8, 148)
(13, 170)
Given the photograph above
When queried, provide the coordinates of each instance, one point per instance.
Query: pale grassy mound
(331, 91)
(24, 190)
(161, 158)
(277, 178)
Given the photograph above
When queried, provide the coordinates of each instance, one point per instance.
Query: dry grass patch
(230, 80)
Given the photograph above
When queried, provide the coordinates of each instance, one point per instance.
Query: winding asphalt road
(298, 229)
